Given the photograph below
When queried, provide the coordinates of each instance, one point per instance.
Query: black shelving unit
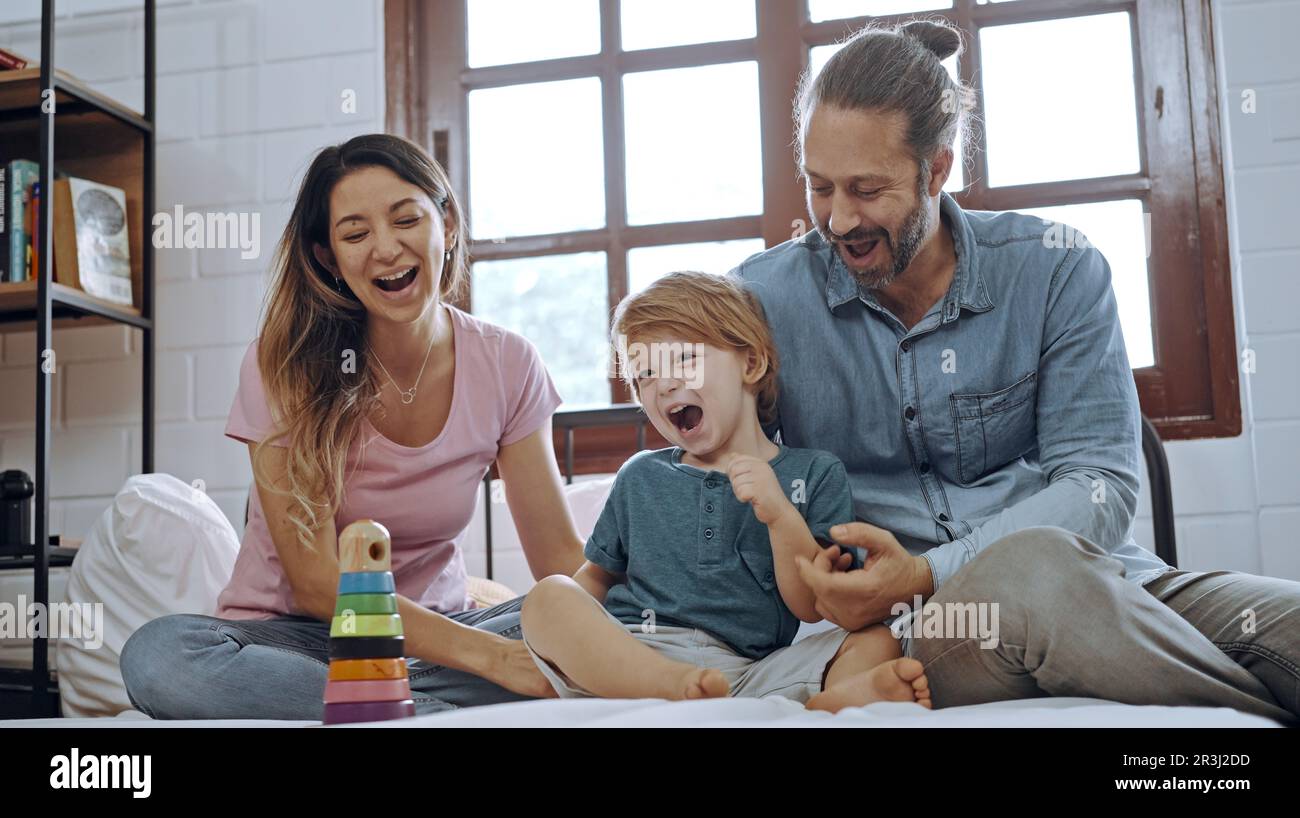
(94, 132)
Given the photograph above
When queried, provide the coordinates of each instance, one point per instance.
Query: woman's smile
(398, 284)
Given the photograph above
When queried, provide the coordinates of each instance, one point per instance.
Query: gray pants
(1072, 625)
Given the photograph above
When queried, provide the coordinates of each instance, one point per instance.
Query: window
(599, 144)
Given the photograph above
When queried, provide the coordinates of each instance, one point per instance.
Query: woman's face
(387, 240)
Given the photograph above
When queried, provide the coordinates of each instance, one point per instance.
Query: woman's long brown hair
(311, 330)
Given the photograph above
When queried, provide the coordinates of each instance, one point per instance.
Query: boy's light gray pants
(1070, 624)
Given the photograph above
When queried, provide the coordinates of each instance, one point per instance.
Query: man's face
(865, 194)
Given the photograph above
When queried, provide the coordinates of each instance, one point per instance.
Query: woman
(366, 395)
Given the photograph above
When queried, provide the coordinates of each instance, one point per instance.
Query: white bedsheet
(770, 712)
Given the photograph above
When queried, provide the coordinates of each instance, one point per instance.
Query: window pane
(693, 143)
(500, 32)
(660, 23)
(558, 303)
(645, 264)
(817, 57)
(838, 9)
(1053, 110)
(531, 170)
(1120, 231)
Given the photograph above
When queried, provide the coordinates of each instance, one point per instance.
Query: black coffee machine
(16, 490)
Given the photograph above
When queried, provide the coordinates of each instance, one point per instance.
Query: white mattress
(769, 712)
(17, 653)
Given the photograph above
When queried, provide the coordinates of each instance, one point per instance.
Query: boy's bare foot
(898, 680)
(704, 683)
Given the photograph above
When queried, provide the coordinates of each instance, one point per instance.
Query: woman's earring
(338, 284)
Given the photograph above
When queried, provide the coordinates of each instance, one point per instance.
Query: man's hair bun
(941, 38)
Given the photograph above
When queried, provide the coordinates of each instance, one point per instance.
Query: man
(973, 379)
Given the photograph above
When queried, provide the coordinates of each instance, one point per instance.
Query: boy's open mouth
(686, 417)
(398, 282)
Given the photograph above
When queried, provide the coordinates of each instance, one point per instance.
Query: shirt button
(943, 518)
(925, 468)
(708, 533)
(708, 507)
(770, 577)
(909, 413)
(907, 345)
(708, 484)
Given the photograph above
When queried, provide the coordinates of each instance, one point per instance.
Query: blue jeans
(188, 666)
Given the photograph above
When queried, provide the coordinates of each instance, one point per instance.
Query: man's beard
(911, 235)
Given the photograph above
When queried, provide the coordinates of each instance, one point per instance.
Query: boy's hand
(754, 482)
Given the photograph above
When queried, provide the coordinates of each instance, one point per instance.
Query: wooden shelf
(21, 91)
(95, 138)
(91, 136)
(72, 308)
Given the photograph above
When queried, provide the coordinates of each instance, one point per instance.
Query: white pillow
(586, 501)
(162, 547)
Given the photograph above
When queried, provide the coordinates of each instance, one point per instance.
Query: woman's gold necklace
(408, 395)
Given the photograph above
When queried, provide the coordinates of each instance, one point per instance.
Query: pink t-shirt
(424, 496)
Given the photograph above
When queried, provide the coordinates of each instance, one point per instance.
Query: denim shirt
(1010, 404)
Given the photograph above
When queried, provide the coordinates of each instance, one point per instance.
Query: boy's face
(693, 393)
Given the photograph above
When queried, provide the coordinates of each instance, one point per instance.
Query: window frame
(1192, 391)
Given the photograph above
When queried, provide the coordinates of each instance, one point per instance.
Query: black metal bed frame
(569, 420)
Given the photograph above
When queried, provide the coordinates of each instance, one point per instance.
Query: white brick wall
(1238, 501)
(247, 91)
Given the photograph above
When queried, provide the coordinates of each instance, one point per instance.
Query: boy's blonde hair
(700, 308)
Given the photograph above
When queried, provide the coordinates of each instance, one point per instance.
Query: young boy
(690, 589)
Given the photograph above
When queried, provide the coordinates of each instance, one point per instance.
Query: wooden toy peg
(364, 546)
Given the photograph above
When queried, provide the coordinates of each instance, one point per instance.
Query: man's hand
(754, 482)
(855, 599)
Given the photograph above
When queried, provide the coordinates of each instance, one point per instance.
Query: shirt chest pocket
(994, 428)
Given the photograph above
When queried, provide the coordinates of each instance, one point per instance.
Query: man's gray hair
(896, 69)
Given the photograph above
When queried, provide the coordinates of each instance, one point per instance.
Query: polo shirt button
(770, 577)
(708, 533)
(708, 484)
(907, 345)
(943, 518)
(708, 507)
(925, 468)
(909, 413)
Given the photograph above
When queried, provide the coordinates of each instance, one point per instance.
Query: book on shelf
(90, 240)
(19, 175)
(4, 222)
(92, 251)
(33, 228)
(9, 61)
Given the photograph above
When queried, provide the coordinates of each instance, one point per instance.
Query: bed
(493, 553)
(769, 712)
